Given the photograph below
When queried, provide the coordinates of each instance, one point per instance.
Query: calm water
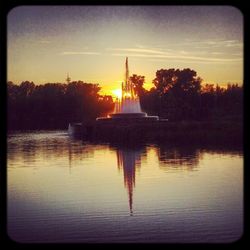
(65, 190)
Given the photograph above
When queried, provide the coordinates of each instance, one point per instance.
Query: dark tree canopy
(179, 81)
(177, 95)
(54, 105)
(138, 82)
(180, 95)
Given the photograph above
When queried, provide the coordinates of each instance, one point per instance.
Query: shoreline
(188, 134)
(171, 132)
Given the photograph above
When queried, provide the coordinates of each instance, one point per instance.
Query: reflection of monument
(129, 107)
(128, 160)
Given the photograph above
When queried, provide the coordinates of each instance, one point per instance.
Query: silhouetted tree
(179, 81)
(178, 92)
(54, 105)
(150, 102)
(26, 89)
(165, 79)
(138, 82)
(177, 95)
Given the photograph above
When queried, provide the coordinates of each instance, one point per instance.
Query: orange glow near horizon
(41, 51)
(117, 93)
(115, 90)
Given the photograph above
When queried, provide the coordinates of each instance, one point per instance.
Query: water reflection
(47, 145)
(129, 160)
(27, 148)
(171, 158)
(182, 157)
(107, 183)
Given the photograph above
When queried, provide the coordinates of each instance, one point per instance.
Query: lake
(65, 190)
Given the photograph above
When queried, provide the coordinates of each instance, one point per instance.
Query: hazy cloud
(181, 57)
(174, 55)
(138, 50)
(67, 53)
(215, 43)
(44, 41)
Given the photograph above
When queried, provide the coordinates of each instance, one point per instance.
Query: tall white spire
(127, 88)
(130, 102)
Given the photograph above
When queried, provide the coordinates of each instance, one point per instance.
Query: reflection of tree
(28, 146)
(129, 160)
(187, 157)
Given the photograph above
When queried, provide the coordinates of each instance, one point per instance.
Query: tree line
(177, 95)
(54, 105)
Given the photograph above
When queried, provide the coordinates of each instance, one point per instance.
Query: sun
(117, 93)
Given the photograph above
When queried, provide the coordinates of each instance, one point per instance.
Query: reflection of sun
(117, 93)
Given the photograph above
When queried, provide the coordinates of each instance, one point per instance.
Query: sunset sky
(91, 43)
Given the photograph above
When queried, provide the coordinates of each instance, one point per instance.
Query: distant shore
(228, 134)
(187, 132)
